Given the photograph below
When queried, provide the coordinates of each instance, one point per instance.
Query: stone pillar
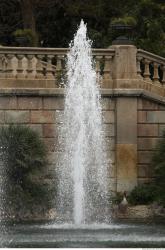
(126, 143)
(124, 67)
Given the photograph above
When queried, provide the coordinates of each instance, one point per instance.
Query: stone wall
(151, 123)
(132, 123)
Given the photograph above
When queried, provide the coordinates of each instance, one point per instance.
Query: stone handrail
(150, 67)
(46, 63)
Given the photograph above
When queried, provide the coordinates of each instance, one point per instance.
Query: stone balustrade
(150, 67)
(46, 63)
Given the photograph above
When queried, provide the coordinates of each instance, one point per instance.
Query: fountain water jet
(83, 195)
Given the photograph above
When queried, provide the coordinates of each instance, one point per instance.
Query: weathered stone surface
(147, 130)
(126, 166)
(8, 102)
(126, 120)
(147, 105)
(50, 130)
(29, 103)
(108, 116)
(145, 171)
(17, 116)
(156, 116)
(53, 102)
(144, 156)
(107, 103)
(147, 143)
(2, 116)
(142, 116)
(42, 116)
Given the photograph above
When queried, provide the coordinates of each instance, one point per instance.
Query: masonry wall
(151, 123)
(132, 128)
(44, 114)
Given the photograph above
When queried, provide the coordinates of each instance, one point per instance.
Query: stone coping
(61, 92)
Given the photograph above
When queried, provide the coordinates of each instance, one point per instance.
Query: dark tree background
(55, 21)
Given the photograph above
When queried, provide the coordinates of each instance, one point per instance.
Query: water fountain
(83, 194)
(83, 187)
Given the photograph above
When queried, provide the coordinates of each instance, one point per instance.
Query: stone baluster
(20, 70)
(107, 74)
(147, 75)
(49, 68)
(39, 67)
(59, 68)
(163, 78)
(2, 66)
(98, 64)
(156, 73)
(139, 58)
(9, 66)
(30, 69)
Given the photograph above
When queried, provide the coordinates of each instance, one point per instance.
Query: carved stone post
(139, 58)
(30, 68)
(49, 69)
(147, 75)
(9, 69)
(156, 75)
(39, 67)
(20, 73)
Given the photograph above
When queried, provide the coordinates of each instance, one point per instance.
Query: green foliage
(158, 164)
(23, 156)
(142, 195)
(56, 21)
(28, 34)
(127, 20)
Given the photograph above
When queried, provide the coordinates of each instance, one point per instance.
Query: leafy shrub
(142, 195)
(158, 164)
(29, 36)
(23, 158)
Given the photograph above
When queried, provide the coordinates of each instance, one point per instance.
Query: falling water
(82, 171)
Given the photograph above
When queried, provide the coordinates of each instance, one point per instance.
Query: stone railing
(46, 63)
(150, 67)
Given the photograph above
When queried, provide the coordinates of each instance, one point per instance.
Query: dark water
(115, 235)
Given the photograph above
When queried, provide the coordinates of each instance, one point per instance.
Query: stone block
(147, 105)
(144, 157)
(17, 116)
(156, 116)
(42, 116)
(144, 171)
(2, 116)
(147, 143)
(50, 130)
(108, 116)
(148, 130)
(107, 103)
(53, 102)
(126, 127)
(109, 130)
(126, 156)
(142, 116)
(29, 102)
(8, 102)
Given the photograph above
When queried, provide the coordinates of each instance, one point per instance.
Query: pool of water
(114, 235)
